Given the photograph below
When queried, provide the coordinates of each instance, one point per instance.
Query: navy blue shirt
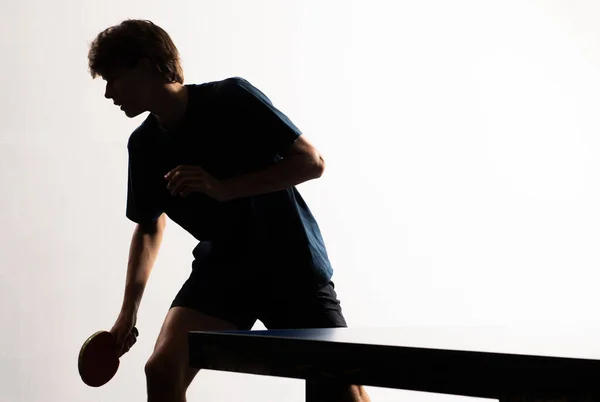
(229, 128)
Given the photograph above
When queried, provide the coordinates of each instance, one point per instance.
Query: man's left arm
(303, 162)
(273, 133)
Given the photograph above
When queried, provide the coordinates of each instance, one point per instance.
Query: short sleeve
(143, 202)
(268, 128)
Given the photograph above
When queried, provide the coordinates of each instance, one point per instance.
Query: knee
(161, 368)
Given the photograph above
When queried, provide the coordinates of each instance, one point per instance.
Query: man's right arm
(145, 243)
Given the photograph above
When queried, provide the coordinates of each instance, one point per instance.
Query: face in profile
(128, 88)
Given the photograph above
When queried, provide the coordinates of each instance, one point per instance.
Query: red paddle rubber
(98, 359)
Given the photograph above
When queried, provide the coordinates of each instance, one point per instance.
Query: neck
(171, 104)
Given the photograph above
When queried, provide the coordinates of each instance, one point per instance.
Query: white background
(462, 184)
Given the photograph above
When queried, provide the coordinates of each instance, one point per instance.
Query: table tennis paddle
(98, 360)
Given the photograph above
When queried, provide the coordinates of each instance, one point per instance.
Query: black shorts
(241, 295)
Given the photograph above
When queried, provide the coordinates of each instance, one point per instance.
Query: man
(221, 161)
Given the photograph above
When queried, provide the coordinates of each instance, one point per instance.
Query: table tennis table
(472, 361)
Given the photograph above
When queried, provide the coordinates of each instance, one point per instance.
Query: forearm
(288, 172)
(142, 256)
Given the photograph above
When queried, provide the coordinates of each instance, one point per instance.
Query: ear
(144, 65)
(147, 69)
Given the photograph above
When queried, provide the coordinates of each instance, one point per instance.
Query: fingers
(129, 341)
(178, 184)
(185, 179)
(171, 172)
(182, 184)
(188, 190)
(183, 169)
(128, 344)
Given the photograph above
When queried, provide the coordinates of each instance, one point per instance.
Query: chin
(131, 113)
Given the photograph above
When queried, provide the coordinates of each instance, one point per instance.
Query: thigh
(171, 348)
(212, 298)
(293, 308)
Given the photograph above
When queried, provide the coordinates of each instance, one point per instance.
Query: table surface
(549, 341)
(471, 361)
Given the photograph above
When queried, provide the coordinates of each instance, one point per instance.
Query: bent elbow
(319, 166)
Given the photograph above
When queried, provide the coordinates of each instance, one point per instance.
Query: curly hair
(123, 45)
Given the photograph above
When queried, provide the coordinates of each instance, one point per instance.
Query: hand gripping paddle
(99, 358)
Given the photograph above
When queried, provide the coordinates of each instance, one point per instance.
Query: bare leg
(359, 393)
(168, 374)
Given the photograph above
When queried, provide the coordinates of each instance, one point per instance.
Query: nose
(107, 92)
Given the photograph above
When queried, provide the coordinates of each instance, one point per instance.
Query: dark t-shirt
(229, 128)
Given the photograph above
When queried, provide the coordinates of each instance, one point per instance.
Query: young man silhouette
(221, 161)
